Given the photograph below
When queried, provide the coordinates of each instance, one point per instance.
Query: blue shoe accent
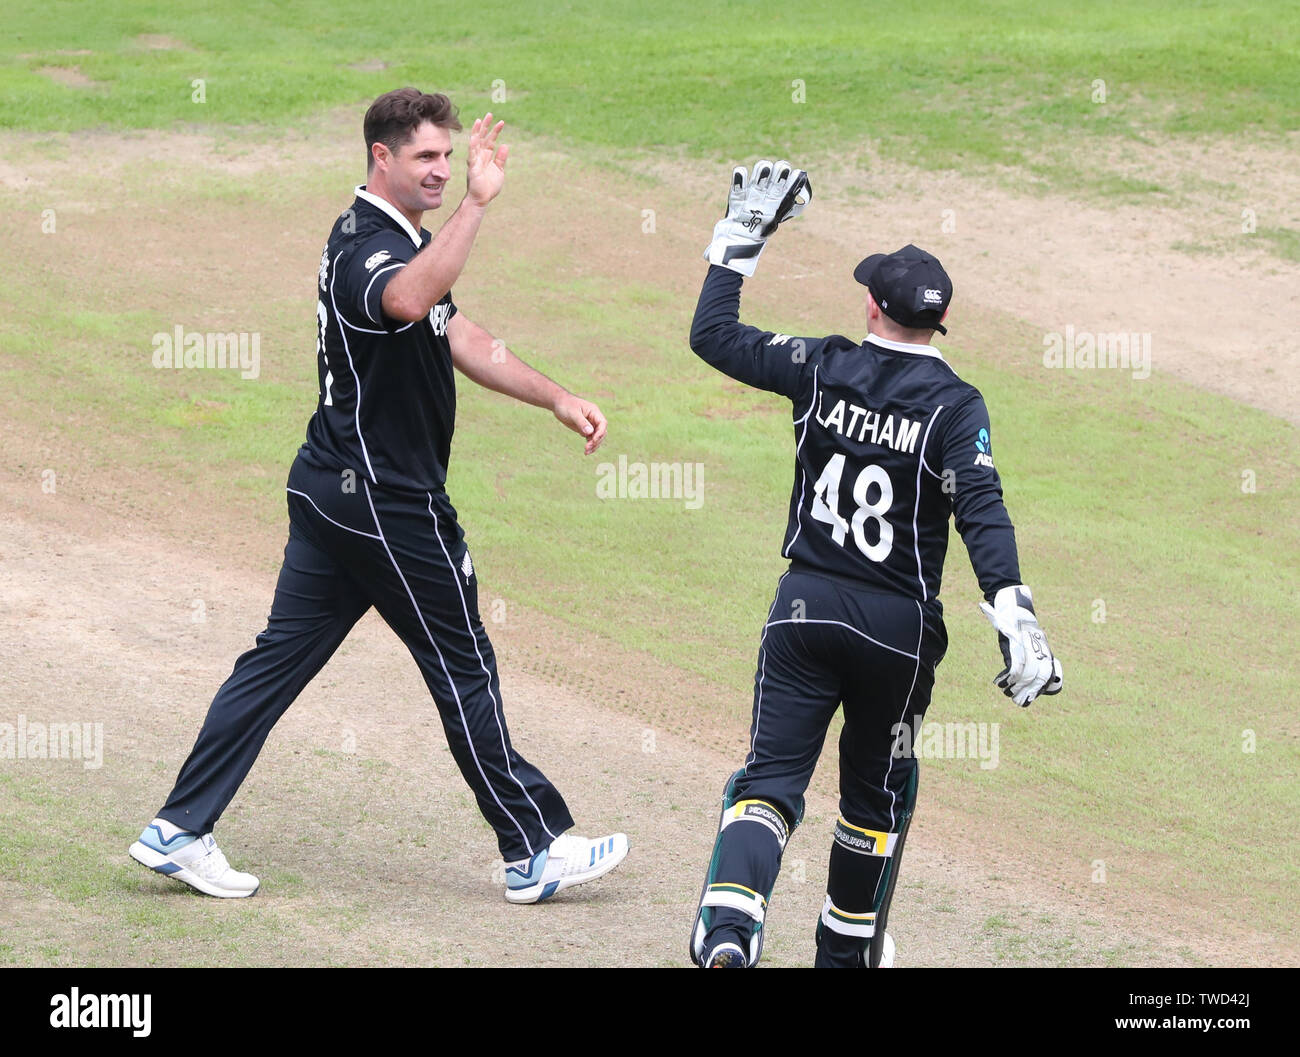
(593, 856)
(168, 868)
(548, 891)
(517, 878)
(160, 844)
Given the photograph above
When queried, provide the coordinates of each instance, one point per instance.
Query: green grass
(1285, 242)
(951, 85)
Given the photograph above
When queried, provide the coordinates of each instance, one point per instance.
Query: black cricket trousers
(826, 643)
(352, 545)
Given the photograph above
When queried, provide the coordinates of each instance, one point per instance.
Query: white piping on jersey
(368, 535)
(496, 704)
(906, 346)
(351, 366)
(893, 799)
(762, 672)
(391, 210)
(840, 623)
(813, 402)
(916, 508)
(455, 693)
(365, 298)
(367, 330)
(803, 477)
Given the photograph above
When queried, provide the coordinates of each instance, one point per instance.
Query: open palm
(487, 162)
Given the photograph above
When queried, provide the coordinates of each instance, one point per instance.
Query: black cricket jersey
(387, 405)
(889, 443)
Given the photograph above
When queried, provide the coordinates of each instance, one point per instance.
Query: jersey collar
(391, 210)
(906, 346)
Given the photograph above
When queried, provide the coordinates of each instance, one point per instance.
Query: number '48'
(826, 507)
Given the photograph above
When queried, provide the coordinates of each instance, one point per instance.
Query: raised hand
(485, 167)
(756, 204)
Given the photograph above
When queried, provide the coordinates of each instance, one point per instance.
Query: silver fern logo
(467, 567)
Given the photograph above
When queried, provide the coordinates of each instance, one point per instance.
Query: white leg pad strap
(846, 924)
(736, 897)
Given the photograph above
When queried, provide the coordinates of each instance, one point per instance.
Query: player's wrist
(559, 399)
(1031, 668)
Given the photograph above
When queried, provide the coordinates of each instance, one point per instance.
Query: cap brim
(862, 273)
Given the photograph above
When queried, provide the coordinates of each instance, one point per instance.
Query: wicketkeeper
(889, 443)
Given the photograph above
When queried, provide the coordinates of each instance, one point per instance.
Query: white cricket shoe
(567, 862)
(169, 850)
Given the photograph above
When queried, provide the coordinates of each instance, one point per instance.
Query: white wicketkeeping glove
(1030, 667)
(756, 204)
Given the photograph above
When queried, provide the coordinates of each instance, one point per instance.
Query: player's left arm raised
(756, 205)
(486, 361)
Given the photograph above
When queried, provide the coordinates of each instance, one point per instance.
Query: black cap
(909, 285)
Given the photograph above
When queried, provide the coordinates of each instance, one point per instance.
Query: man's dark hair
(393, 118)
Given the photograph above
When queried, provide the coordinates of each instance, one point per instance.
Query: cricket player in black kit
(889, 443)
(370, 523)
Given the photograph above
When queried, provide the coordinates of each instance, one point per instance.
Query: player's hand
(1030, 667)
(582, 416)
(756, 204)
(486, 165)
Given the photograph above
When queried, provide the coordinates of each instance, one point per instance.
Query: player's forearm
(990, 539)
(756, 357)
(491, 365)
(717, 315)
(434, 270)
(720, 339)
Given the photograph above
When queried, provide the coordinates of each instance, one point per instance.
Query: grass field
(1128, 494)
(951, 85)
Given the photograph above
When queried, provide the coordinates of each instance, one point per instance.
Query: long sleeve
(763, 359)
(979, 512)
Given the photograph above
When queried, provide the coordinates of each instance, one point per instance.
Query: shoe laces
(212, 866)
(566, 845)
(572, 852)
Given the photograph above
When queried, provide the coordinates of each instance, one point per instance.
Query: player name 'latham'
(865, 425)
